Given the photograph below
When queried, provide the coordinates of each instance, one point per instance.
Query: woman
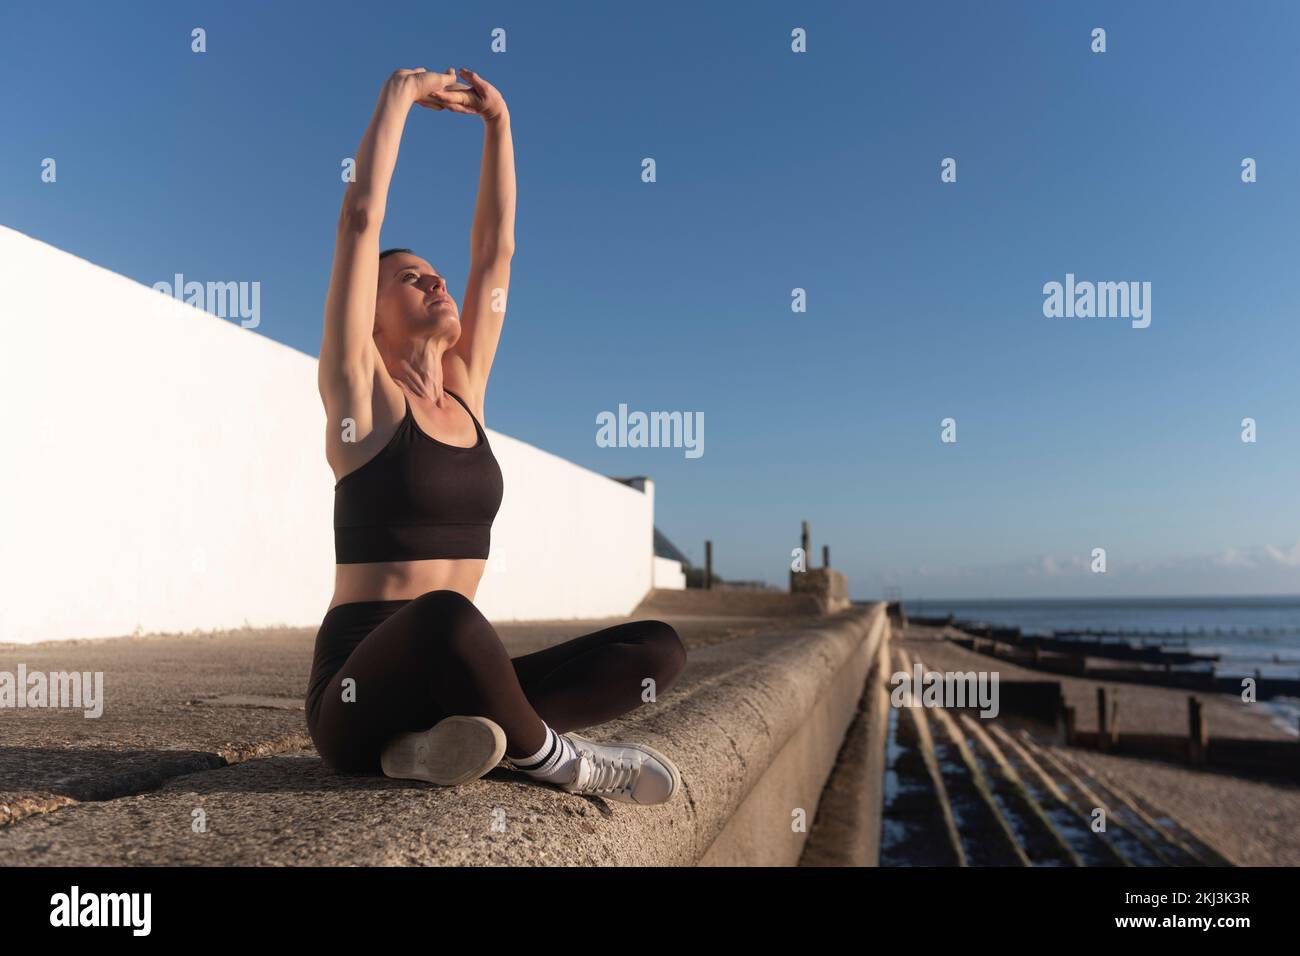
(408, 677)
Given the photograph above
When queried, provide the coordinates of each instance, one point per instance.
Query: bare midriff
(403, 580)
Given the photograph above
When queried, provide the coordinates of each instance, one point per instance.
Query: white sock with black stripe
(556, 762)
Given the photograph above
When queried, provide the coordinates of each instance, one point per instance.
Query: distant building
(666, 549)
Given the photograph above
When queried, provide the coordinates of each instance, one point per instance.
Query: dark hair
(389, 252)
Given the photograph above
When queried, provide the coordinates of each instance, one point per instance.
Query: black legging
(415, 661)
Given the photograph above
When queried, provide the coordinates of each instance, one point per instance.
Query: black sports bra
(418, 498)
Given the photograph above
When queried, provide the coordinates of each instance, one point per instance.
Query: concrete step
(725, 601)
(846, 830)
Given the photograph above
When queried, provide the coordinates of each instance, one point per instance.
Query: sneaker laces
(605, 773)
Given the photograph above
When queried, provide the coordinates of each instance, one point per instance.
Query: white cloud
(1246, 569)
(1234, 558)
(1289, 558)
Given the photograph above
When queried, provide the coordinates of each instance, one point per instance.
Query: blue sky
(775, 170)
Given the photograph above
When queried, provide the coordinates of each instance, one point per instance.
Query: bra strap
(472, 416)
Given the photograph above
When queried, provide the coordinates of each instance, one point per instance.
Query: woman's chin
(440, 322)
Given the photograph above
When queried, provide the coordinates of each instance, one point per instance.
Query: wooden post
(1107, 721)
(826, 556)
(805, 544)
(1069, 726)
(708, 564)
(1198, 736)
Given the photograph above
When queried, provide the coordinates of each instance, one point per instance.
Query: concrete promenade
(201, 755)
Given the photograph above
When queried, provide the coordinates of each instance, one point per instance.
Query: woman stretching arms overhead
(408, 677)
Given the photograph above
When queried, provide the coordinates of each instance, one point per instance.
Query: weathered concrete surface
(176, 704)
(829, 587)
(177, 712)
(729, 601)
(847, 829)
(818, 685)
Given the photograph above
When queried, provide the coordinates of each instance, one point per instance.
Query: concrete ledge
(754, 724)
(816, 684)
(847, 831)
(713, 601)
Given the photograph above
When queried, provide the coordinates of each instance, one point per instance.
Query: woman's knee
(669, 650)
(447, 610)
(452, 622)
(337, 751)
(443, 598)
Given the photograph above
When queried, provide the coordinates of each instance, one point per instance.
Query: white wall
(669, 574)
(164, 469)
(567, 542)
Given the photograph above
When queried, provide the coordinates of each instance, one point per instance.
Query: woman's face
(413, 301)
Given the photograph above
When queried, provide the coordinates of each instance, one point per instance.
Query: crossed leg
(601, 675)
(438, 655)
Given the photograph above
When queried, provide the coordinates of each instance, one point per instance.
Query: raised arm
(348, 353)
(492, 237)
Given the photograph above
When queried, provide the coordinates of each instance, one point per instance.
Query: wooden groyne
(1070, 656)
(1160, 635)
(1259, 758)
(966, 791)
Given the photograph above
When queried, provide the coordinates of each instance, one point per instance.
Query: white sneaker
(630, 773)
(455, 750)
